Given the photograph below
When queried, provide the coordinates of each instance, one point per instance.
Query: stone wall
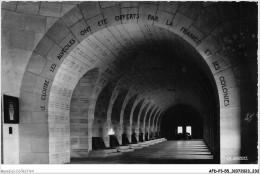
(79, 109)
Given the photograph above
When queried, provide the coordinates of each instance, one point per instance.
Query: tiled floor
(168, 152)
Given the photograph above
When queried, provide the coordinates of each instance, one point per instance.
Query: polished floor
(168, 152)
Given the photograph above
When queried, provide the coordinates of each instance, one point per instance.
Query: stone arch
(145, 121)
(79, 104)
(129, 95)
(128, 109)
(153, 120)
(115, 115)
(146, 118)
(100, 127)
(136, 112)
(150, 120)
(127, 113)
(47, 69)
(141, 116)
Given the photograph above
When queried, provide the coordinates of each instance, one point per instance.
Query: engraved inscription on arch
(224, 90)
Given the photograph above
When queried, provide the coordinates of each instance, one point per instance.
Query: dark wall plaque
(11, 109)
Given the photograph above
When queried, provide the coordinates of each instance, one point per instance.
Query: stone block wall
(80, 101)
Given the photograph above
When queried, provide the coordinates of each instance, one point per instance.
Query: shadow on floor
(168, 152)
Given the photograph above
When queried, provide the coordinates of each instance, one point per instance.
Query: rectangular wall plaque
(11, 109)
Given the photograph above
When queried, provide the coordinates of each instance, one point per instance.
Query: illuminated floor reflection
(169, 152)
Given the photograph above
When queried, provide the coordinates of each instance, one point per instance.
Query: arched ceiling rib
(117, 47)
(156, 70)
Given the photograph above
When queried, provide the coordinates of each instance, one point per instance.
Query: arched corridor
(183, 116)
(100, 78)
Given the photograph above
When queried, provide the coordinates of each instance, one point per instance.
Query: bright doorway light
(188, 129)
(111, 132)
(179, 129)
